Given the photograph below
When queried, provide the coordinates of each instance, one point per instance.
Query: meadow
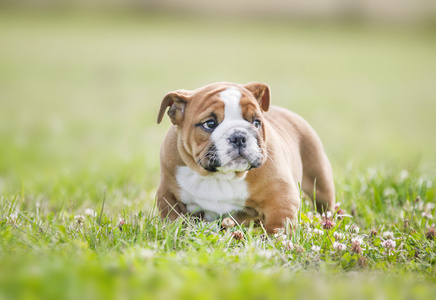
(79, 167)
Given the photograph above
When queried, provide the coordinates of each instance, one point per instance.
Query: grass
(69, 254)
(79, 96)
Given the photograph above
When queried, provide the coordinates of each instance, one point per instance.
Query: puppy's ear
(177, 101)
(261, 92)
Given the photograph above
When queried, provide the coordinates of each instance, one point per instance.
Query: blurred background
(81, 81)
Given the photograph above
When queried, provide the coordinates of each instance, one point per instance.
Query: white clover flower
(419, 205)
(388, 235)
(288, 244)
(280, 237)
(238, 235)
(355, 245)
(352, 228)
(337, 205)
(429, 206)
(317, 231)
(338, 235)
(327, 223)
(310, 215)
(90, 212)
(356, 241)
(279, 231)
(427, 215)
(315, 248)
(309, 232)
(389, 244)
(228, 223)
(327, 214)
(339, 246)
(79, 219)
(13, 217)
(279, 234)
(355, 229)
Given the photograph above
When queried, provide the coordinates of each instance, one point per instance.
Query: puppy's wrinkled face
(224, 131)
(220, 127)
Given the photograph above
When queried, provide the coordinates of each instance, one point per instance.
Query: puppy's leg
(168, 206)
(246, 216)
(317, 170)
(280, 211)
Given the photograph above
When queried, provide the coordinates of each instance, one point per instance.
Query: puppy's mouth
(237, 162)
(210, 161)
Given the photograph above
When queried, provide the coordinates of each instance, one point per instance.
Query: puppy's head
(220, 126)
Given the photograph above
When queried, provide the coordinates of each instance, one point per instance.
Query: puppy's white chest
(216, 194)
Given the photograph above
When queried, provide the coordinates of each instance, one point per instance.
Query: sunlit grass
(127, 248)
(78, 102)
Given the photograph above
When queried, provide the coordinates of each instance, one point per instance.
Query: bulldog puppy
(230, 152)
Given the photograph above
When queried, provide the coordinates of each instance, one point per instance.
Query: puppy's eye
(257, 123)
(209, 125)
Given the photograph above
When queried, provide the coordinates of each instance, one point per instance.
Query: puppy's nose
(238, 140)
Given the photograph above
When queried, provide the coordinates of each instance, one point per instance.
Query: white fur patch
(233, 122)
(232, 113)
(215, 194)
(231, 97)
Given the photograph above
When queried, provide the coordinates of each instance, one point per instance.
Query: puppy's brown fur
(294, 154)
